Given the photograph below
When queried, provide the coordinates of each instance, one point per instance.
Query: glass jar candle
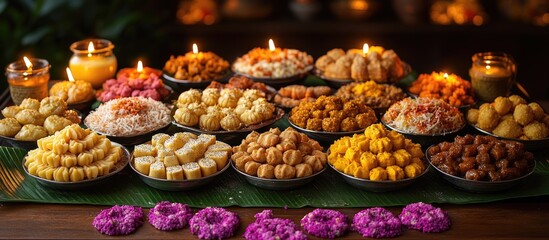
(93, 61)
(492, 75)
(28, 79)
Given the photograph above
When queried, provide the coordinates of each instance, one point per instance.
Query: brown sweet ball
(507, 116)
(305, 148)
(365, 119)
(523, 114)
(274, 156)
(303, 138)
(268, 139)
(315, 145)
(503, 105)
(251, 168)
(472, 115)
(284, 171)
(290, 134)
(314, 124)
(259, 155)
(303, 170)
(546, 120)
(331, 124)
(266, 171)
(488, 117)
(252, 146)
(275, 131)
(241, 161)
(536, 130)
(508, 128)
(517, 100)
(292, 157)
(349, 124)
(237, 154)
(286, 145)
(252, 137)
(314, 161)
(320, 156)
(539, 114)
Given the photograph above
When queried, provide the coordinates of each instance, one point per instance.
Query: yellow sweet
(385, 159)
(378, 174)
(395, 173)
(402, 157)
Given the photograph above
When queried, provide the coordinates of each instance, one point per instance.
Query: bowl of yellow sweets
(182, 161)
(379, 160)
(75, 158)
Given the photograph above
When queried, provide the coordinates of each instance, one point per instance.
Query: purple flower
(425, 217)
(170, 216)
(325, 223)
(266, 227)
(118, 220)
(214, 223)
(377, 223)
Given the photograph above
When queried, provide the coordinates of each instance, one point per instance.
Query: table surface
(519, 219)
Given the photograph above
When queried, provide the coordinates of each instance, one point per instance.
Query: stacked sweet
(196, 67)
(277, 63)
(130, 83)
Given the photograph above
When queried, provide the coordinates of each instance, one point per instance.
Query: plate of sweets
(478, 163)
(195, 69)
(129, 121)
(78, 95)
(227, 113)
(512, 118)
(374, 63)
(329, 118)
(21, 125)
(274, 66)
(290, 96)
(449, 87)
(135, 82)
(243, 83)
(378, 160)
(376, 95)
(424, 120)
(182, 161)
(75, 158)
(279, 160)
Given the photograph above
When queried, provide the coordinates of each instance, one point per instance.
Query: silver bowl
(121, 164)
(277, 184)
(379, 186)
(480, 186)
(321, 136)
(426, 140)
(528, 144)
(278, 82)
(177, 185)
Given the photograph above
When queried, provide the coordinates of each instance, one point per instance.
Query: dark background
(151, 31)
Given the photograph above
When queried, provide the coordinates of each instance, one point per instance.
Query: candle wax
(93, 69)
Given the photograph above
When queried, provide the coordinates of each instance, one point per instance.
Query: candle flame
(445, 75)
(487, 66)
(271, 45)
(195, 48)
(27, 62)
(139, 66)
(365, 48)
(69, 74)
(90, 49)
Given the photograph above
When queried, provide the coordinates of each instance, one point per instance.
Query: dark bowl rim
(168, 77)
(423, 135)
(341, 134)
(428, 158)
(277, 181)
(121, 166)
(306, 71)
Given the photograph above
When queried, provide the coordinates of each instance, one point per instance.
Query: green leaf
(50, 5)
(114, 29)
(35, 36)
(3, 5)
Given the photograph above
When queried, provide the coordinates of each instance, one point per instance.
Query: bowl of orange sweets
(379, 160)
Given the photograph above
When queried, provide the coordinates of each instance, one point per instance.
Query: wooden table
(519, 219)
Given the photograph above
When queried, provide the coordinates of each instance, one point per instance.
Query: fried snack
(30, 103)
(377, 155)
(242, 83)
(332, 111)
(451, 88)
(511, 117)
(198, 67)
(291, 96)
(372, 94)
(278, 154)
(380, 65)
(9, 127)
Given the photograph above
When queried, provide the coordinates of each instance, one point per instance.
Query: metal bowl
(181, 84)
(278, 82)
(426, 140)
(231, 136)
(337, 83)
(379, 186)
(121, 164)
(321, 136)
(528, 144)
(480, 186)
(135, 139)
(177, 185)
(277, 184)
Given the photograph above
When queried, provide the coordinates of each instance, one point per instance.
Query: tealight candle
(492, 75)
(140, 72)
(93, 61)
(28, 78)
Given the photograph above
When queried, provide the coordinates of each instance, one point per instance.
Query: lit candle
(365, 49)
(28, 79)
(139, 72)
(195, 48)
(93, 61)
(69, 75)
(272, 47)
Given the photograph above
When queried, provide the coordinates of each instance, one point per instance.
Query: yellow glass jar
(28, 81)
(492, 75)
(94, 64)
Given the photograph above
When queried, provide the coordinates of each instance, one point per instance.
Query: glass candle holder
(28, 82)
(492, 75)
(94, 65)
